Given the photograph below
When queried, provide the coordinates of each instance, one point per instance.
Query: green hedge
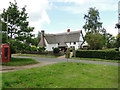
(98, 54)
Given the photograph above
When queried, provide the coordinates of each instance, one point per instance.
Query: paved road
(57, 60)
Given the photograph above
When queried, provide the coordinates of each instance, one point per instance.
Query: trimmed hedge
(112, 55)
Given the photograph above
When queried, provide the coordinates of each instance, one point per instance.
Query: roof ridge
(65, 32)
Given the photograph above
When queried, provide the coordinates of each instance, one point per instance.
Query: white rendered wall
(77, 45)
(49, 47)
(81, 38)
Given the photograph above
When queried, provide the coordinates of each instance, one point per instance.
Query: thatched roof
(63, 38)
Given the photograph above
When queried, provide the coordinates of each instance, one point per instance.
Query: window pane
(74, 42)
(6, 53)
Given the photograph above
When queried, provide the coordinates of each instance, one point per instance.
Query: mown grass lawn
(20, 62)
(96, 59)
(36, 55)
(63, 75)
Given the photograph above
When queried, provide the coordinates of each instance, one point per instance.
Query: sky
(56, 16)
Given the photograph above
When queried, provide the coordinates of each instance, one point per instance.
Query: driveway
(58, 60)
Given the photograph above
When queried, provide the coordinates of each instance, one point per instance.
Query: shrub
(28, 48)
(33, 48)
(108, 54)
(41, 49)
(56, 50)
(71, 49)
(86, 47)
(67, 55)
(12, 49)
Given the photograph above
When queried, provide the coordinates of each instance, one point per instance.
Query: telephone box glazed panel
(5, 52)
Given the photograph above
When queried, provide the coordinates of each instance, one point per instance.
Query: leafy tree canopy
(16, 20)
(92, 23)
(93, 27)
(95, 40)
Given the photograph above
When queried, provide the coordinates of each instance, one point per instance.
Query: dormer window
(58, 43)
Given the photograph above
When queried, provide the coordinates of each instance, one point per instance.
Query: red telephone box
(5, 52)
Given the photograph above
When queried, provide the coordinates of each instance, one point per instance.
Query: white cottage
(62, 40)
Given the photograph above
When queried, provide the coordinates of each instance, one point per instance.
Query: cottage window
(70, 43)
(74, 42)
(58, 43)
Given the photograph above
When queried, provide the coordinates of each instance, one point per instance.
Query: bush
(108, 54)
(12, 49)
(71, 49)
(86, 47)
(28, 48)
(33, 48)
(67, 55)
(41, 49)
(56, 50)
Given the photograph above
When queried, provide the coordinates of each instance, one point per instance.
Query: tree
(92, 23)
(18, 27)
(118, 37)
(118, 40)
(39, 36)
(16, 20)
(36, 40)
(95, 40)
(110, 40)
(94, 27)
(4, 34)
(0, 30)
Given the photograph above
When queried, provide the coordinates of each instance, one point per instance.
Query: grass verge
(20, 62)
(64, 75)
(36, 55)
(97, 59)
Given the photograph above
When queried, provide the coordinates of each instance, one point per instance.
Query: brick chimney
(68, 30)
(42, 34)
(42, 40)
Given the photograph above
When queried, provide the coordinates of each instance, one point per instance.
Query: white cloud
(36, 10)
(38, 23)
(38, 16)
(45, 17)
